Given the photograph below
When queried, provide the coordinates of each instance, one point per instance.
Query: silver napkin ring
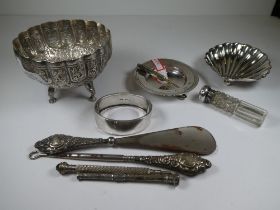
(125, 101)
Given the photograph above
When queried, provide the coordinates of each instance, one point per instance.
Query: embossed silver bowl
(64, 54)
(236, 62)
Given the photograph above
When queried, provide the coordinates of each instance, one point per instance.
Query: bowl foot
(51, 91)
(227, 81)
(89, 86)
(181, 96)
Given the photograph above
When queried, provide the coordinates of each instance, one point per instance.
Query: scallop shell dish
(237, 62)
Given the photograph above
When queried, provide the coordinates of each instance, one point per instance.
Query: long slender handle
(151, 178)
(188, 164)
(65, 168)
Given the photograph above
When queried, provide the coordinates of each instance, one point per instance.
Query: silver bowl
(236, 62)
(64, 54)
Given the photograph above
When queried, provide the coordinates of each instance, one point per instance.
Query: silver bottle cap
(206, 94)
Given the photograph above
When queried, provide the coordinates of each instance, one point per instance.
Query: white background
(136, 7)
(245, 172)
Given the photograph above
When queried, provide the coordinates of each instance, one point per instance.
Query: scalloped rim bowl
(64, 53)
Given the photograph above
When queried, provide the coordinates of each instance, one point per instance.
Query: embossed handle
(233, 106)
(60, 143)
(188, 164)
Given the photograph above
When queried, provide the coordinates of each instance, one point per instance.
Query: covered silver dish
(64, 54)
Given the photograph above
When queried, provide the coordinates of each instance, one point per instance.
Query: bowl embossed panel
(64, 54)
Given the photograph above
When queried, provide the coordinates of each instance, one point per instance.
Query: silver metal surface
(236, 62)
(206, 94)
(119, 174)
(64, 54)
(64, 169)
(188, 164)
(120, 126)
(186, 139)
(178, 73)
(170, 179)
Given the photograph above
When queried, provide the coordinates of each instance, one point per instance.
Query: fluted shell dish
(237, 62)
(64, 54)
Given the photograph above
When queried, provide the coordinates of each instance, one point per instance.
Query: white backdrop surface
(136, 7)
(245, 172)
